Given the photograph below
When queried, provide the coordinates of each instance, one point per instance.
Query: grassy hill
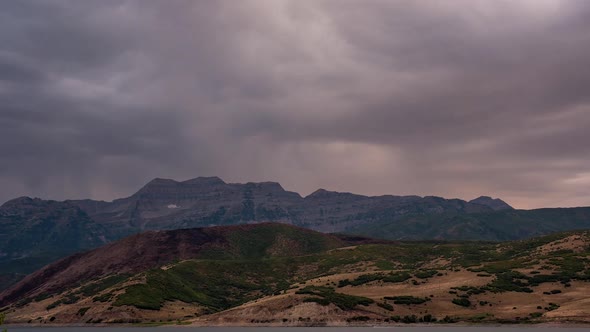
(274, 274)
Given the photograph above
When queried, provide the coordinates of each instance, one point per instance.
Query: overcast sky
(451, 98)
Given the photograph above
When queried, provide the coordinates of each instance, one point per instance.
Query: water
(302, 329)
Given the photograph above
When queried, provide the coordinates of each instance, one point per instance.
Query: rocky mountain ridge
(207, 201)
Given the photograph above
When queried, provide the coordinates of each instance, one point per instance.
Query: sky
(450, 98)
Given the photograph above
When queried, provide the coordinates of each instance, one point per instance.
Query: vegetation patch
(510, 281)
(462, 302)
(328, 295)
(425, 274)
(392, 277)
(82, 311)
(385, 306)
(407, 299)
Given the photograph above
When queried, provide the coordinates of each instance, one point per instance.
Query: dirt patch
(577, 243)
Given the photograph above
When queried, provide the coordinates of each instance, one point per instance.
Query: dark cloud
(454, 99)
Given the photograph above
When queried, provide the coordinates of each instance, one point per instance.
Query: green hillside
(240, 265)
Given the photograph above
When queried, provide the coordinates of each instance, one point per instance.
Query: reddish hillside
(149, 250)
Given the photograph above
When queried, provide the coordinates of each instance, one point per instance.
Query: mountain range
(36, 232)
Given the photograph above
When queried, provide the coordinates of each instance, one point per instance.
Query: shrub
(359, 319)
(407, 299)
(385, 306)
(425, 274)
(82, 311)
(409, 319)
(53, 305)
(462, 302)
(429, 318)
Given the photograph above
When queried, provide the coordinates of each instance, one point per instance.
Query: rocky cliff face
(168, 204)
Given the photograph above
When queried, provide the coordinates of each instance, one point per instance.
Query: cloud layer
(455, 99)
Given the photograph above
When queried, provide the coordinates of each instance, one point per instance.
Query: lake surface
(302, 329)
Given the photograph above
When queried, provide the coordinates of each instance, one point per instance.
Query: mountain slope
(34, 232)
(208, 201)
(495, 204)
(504, 225)
(283, 275)
(203, 201)
(149, 250)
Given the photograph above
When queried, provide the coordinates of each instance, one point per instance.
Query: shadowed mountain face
(34, 232)
(506, 225)
(168, 204)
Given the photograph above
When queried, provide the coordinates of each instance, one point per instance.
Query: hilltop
(274, 274)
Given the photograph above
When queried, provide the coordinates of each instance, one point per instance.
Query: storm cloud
(455, 98)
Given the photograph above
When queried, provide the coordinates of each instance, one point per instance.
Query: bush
(462, 302)
(449, 320)
(53, 305)
(385, 306)
(552, 306)
(409, 319)
(425, 274)
(407, 299)
(429, 318)
(359, 319)
(82, 311)
(392, 277)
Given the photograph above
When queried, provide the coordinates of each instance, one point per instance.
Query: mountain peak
(205, 180)
(319, 193)
(22, 201)
(495, 204)
(161, 181)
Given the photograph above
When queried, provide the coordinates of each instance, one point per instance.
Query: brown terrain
(318, 271)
